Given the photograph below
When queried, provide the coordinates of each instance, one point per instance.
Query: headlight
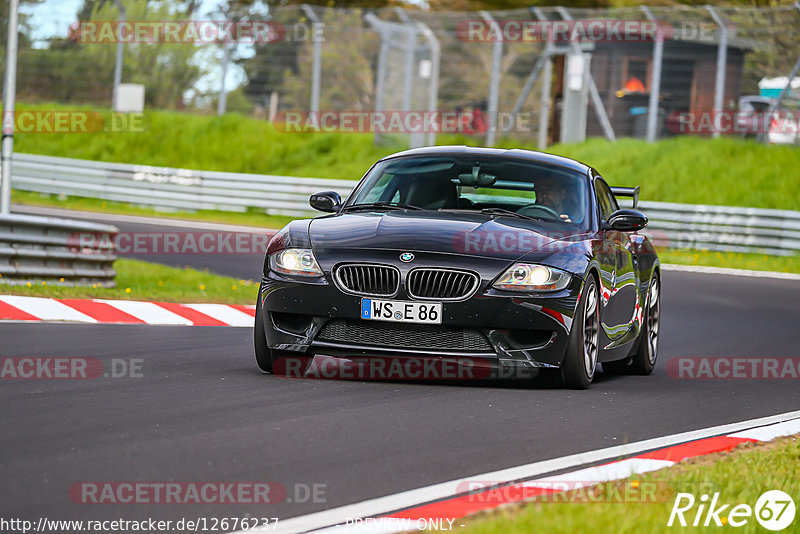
(533, 277)
(296, 261)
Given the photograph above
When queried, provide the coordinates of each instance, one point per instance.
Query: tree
(24, 27)
(71, 70)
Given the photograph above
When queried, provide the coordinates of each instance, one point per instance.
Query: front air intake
(441, 284)
(368, 280)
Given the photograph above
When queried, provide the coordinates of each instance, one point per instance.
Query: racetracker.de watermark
(401, 122)
(69, 368)
(196, 492)
(733, 368)
(561, 31)
(145, 243)
(733, 122)
(70, 121)
(181, 32)
(518, 241)
(511, 241)
(588, 30)
(567, 491)
(398, 368)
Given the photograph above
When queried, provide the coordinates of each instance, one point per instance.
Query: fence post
(9, 94)
(594, 94)
(433, 87)
(123, 14)
(776, 104)
(526, 89)
(544, 104)
(222, 102)
(380, 82)
(655, 81)
(494, 79)
(316, 65)
(411, 40)
(544, 62)
(544, 99)
(722, 61)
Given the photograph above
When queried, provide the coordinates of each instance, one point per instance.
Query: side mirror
(627, 220)
(328, 201)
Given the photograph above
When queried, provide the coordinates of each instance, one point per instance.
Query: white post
(223, 94)
(118, 65)
(655, 82)
(494, 79)
(316, 65)
(599, 108)
(380, 81)
(433, 88)
(722, 60)
(544, 104)
(9, 94)
(544, 99)
(411, 43)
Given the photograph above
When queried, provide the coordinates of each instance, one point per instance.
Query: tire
(263, 353)
(580, 361)
(266, 357)
(643, 361)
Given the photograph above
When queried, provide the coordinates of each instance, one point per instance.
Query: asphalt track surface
(202, 411)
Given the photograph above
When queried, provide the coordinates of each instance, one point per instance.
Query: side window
(380, 189)
(608, 204)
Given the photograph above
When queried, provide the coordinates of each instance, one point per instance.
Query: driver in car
(551, 193)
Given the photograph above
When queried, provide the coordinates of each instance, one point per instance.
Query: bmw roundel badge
(406, 257)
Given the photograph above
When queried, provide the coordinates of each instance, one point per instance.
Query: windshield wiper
(501, 211)
(381, 204)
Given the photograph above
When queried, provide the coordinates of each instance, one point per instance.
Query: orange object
(634, 85)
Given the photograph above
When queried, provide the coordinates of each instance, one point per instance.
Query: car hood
(472, 234)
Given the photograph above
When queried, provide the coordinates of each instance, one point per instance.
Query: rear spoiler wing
(627, 192)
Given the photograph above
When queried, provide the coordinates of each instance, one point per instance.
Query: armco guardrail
(48, 248)
(721, 228)
(165, 187)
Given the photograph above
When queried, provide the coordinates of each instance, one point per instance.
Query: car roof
(518, 153)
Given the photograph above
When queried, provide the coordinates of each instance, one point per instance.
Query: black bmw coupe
(497, 259)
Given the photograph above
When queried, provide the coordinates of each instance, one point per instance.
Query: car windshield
(498, 186)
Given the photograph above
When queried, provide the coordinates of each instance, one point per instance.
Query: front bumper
(498, 329)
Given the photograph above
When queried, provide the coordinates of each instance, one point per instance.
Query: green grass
(140, 280)
(732, 260)
(725, 171)
(231, 143)
(740, 476)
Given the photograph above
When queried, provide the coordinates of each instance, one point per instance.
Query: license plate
(401, 311)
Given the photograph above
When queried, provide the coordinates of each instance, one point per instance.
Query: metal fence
(168, 188)
(722, 228)
(541, 88)
(47, 249)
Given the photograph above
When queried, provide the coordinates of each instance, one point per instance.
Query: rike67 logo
(774, 510)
